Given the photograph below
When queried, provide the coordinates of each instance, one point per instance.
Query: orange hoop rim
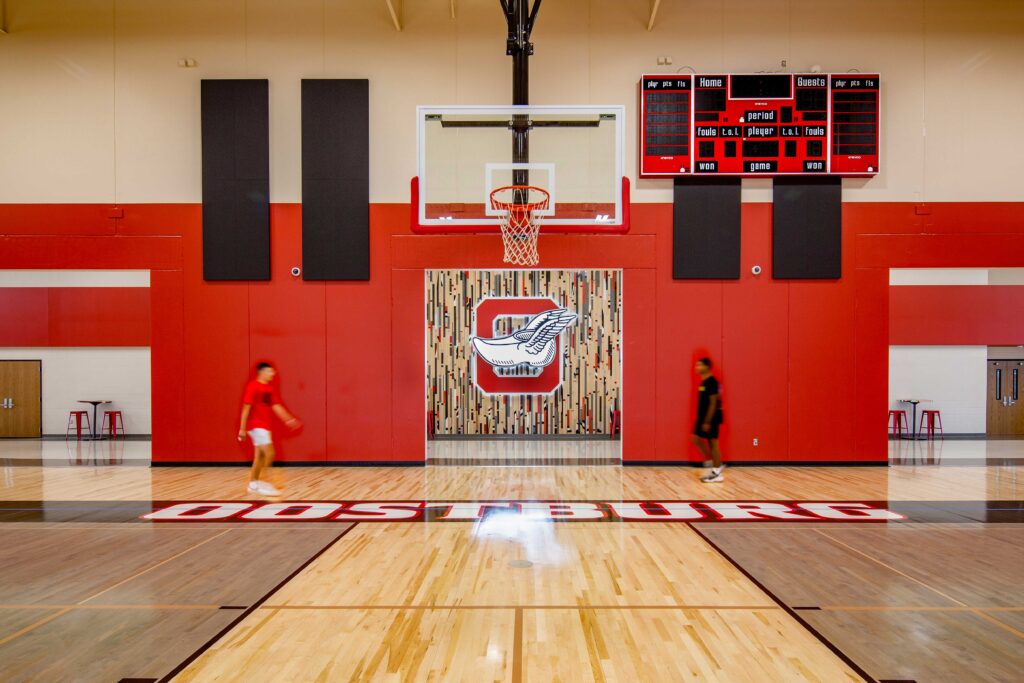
(520, 206)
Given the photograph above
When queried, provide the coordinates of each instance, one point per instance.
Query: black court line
(759, 463)
(789, 610)
(252, 608)
(246, 464)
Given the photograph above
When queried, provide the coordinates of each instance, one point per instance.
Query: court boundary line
(154, 566)
(846, 659)
(33, 626)
(836, 541)
(1002, 624)
(252, 608)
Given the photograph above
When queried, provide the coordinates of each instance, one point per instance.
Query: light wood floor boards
(633, 582)
(508, 599)
(465, 564)
(675, 645)
(362, 645)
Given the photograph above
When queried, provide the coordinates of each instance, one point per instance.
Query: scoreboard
(759, 124)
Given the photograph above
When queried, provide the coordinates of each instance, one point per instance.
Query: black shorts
(712, 433)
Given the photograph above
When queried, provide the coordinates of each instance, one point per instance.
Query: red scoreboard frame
(759, 124)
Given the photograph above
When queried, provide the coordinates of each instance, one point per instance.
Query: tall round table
(914, 436)
(94, 426)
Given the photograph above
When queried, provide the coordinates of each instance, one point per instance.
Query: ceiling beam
(395, 9)
(655, 4)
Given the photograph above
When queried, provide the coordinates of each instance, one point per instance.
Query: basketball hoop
(520, 207)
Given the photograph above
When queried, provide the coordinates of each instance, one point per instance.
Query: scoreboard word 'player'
(759, 124)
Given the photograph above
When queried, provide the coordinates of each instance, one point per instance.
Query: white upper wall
(956, 276)
(938, 276)
(93, 107)
(74, 278)
(953, 379)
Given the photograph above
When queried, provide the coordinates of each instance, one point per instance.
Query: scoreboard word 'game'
(759, 124)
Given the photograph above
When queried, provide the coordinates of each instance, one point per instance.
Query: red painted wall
(980, 315)
(74, 316)
(803, 363)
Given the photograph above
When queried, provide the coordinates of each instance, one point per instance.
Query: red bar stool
(897, 421)
(75, 419)
(933, 418)
(112, 421)
(616, 426)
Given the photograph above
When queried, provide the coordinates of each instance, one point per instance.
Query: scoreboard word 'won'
(543, 511)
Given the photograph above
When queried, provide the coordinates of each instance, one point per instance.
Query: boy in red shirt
(260, 404)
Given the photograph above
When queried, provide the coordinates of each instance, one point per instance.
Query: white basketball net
(520, 207)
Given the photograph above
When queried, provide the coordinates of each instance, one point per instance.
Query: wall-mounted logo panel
(534, 346)
(548, 373)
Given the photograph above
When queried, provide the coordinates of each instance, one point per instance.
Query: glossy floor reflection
(90, 592)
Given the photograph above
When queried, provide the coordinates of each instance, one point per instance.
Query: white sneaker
(713, 477)
(266, 489)
(254, 487)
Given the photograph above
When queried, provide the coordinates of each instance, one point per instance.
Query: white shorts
(260, 437)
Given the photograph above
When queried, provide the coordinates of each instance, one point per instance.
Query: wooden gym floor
(89, 592)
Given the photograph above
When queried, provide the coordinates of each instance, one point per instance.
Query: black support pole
(520, 18)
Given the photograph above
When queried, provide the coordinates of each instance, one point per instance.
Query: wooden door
(20, 398)
(1005, 389)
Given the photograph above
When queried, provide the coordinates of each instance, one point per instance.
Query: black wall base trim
(761, 463)
(293, 463)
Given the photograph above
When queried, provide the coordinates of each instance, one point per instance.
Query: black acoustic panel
(336, 179)
(706, 229)
(236, 180)
(807, 230)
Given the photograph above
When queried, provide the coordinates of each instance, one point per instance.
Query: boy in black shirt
(709, 418)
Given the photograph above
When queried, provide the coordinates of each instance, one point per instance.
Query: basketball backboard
(575, 153)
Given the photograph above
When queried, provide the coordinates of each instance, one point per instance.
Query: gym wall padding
(807, 228)
(706, 229)
(336, 179)
(236, 179)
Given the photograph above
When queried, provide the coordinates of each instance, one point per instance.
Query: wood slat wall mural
(591, 353)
